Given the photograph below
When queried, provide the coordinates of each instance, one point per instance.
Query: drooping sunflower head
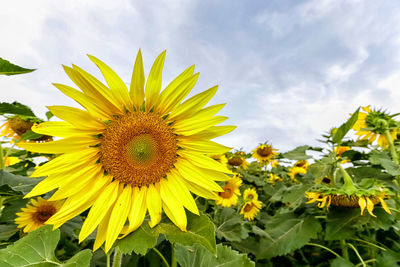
(131, 151)
(264, 153)
(237, 160)
(229, 197)
(251, 209)
(372, 124)
(35, 215)
(250, 194)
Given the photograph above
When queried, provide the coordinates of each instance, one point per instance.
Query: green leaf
(6, 231)
(340, 262)
(230, 225)
(30, 135)
(342, 223)
(7, 68)
(18, 183)
(188, 256)
(345, 128)
(388, 258)
(287, 232)
(299, 153)
(16, 109)
(295, 195)
(49, 115)
(200, 230)
(37, 249)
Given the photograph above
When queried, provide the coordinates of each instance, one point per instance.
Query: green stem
(345, 252)
(321, 246)
(358, 255)
(173, 257)
(1, 158)
(108, 255)
(162, 257)
(117, 257)
(367, 261)
(348, 182)
(369, 243)
(393, 152)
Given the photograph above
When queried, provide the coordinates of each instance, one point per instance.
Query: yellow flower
(15, 127)
(264, 153)
(34, 216)
(220, 158)
(302, 164)
(340, 150)
(11, 161)
(251, 209)
(238, 161)
(131, 151)
(368, 127)
(250, 194)
(273, 178)
(294, 171)
(229, 197)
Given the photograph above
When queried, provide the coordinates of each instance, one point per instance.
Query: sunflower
(274, 163)
(34, 216)
(16, 126)
(264, 153)
(131, 151)
(340, 150)
(372, 125)
(238, 160)
(220, 158)
(302, 164)
(229, 197)
(251, 209)
(273, 178)
(351, 201)
(294, 171)
(250, 194)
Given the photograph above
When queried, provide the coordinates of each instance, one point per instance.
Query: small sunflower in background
(252, 205)
(294, 171)
(339, 152)
(273, 178)
(130, 151)
(36, 215)
(229, 197)
(264, 153)
(302, 164)
(220, 158)
(16, 126)
(373, 124)
(237, 160)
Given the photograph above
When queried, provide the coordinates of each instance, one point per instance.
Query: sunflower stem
(345, 252)
(348, 182)
(358, 255)
(1, 158)
(162, 257)
(117, 257)
(321, 246)
(108, 257)
(173, 256)
(393, 152)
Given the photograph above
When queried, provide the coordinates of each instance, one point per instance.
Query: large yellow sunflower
(35, 215)
(264, 153)
(369, 126)
(131, 151)
(229, 197)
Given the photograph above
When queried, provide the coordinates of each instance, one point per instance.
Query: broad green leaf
(340, 262)
(200, 230)
(12, 205)
(7, 68)
(196, 256)
(18, 183)
(230, 225)
(388, 258)
(49, 115)
(295, 195)
(248, 245)
(30, 135)
(345, 128)
(16, 109)
(7, 230)
(342, 223)
(299, 153)
(286, 233)
(37, 249)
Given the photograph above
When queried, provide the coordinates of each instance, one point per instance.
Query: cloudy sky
(288, 70)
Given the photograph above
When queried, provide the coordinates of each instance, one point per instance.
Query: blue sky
(288, 70)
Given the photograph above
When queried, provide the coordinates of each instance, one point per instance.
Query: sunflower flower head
(250, 194)
(35, 215)
(220, 158)
(372, 125)
(273, 178)
(251, 209)
(229, 197)
(16, 126)
(132, 151)
(302, 164)
(264, 153)
(294, 171)
(238, 160)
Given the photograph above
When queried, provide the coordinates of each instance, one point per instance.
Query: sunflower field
(135, 178)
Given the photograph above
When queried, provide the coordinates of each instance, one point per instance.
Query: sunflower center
(249, 197)
(138, 148)
(248, 207)
(228, 193)
(43, 213)
(235, 161)
(265, 151)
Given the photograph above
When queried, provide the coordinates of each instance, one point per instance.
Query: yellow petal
(213, 132)
(153, 85)
(172, 207)
(362, 203)
(193, 104)
(384, 205)
(370, 206)
(154, 205)
(203, 161)
(66, 145)
(204, 146)
(193, 125)
(77, 117)
(137, 212)
(61, 129)
(118, 216)
(137, 82)
(175, 185)
(102, 231)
